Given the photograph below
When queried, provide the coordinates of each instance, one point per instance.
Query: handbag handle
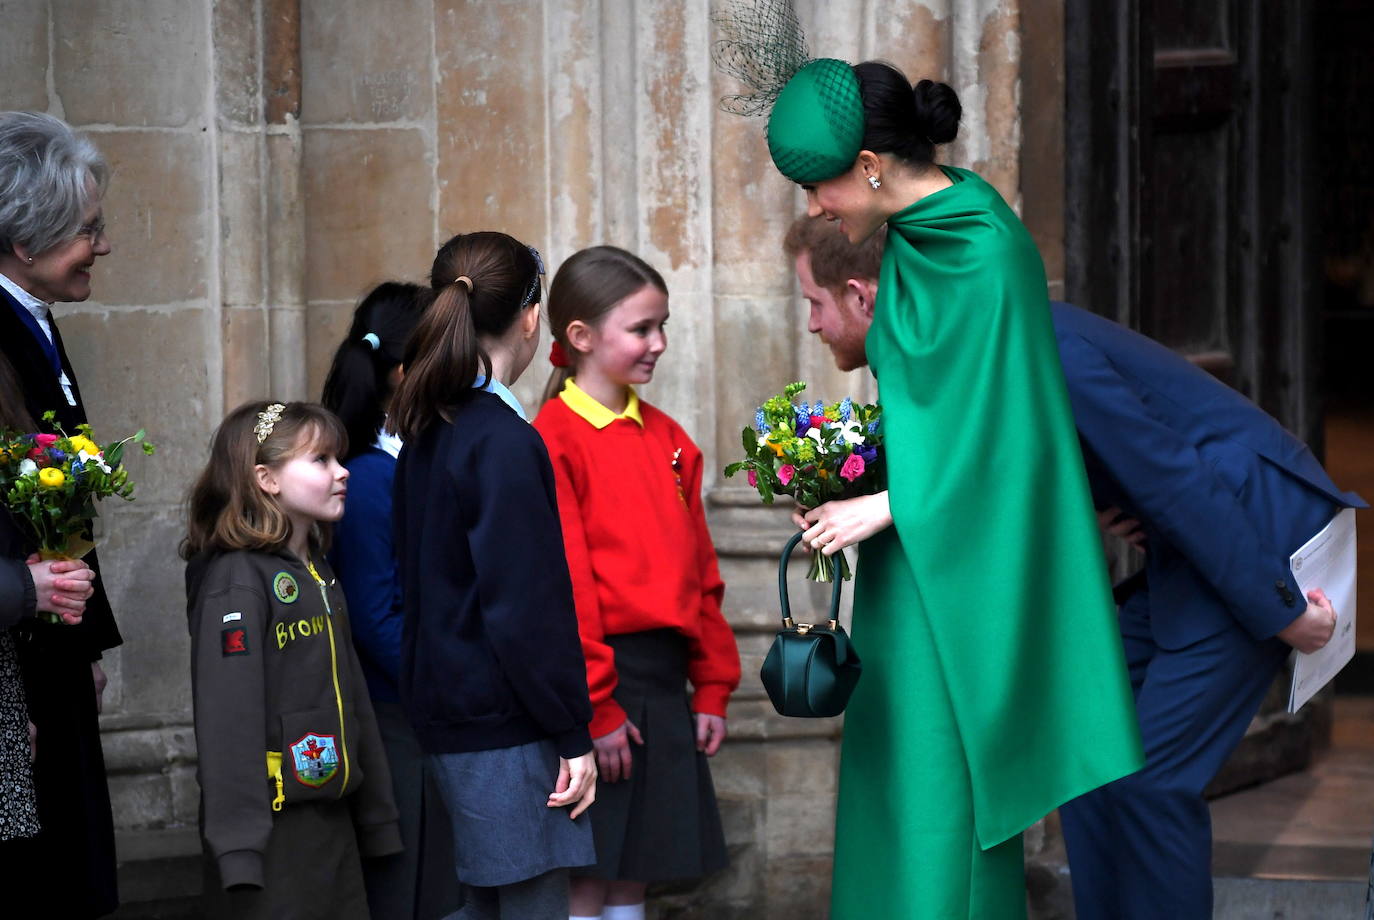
(787, 623)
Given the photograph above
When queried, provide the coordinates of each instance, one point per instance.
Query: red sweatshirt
(640, 556)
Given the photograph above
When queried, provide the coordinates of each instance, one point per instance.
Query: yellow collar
(596, 414)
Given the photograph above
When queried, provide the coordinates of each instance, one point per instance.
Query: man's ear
(860, 293)
(579, 336)
(265, 479)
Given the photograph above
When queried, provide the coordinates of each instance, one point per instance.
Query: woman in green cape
(994, 687)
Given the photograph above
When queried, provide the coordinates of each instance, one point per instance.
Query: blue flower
(846, 409)
(760, 422)
(873, 426)
(57, 455)
(803, 413)
(868, 453)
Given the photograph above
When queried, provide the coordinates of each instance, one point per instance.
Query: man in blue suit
(1223, 496)
(1218, 495)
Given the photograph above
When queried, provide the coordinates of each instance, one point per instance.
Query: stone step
(1287, 899)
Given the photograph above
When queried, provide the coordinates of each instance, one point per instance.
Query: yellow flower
(775, 447)
(51, 477)
(81, 442)
(824, 474)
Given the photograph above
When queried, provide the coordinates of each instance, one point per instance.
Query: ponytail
(479, 284)
(358, 386)
(442, 361)
(557, 381)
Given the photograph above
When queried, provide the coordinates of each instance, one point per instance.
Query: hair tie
(372, 340)
(557, 356)
(267, 420)
(465, 280)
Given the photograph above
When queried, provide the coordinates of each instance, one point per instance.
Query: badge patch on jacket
(285, 588)
(315, 759)
(233, 641)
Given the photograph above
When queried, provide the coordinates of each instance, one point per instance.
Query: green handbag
(811, 670)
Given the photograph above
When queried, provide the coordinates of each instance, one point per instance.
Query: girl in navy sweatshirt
(418, 882)
(492, 675)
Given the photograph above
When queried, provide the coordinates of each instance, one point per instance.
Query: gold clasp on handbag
(804, 628)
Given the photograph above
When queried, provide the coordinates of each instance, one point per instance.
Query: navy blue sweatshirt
(490, 653)
(362, 556)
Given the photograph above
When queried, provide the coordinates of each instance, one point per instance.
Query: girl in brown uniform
(294, 781)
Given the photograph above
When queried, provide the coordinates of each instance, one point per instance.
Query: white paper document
(1326, 561)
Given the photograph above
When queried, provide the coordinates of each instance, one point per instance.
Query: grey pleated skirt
(503, 830)
(662, 823)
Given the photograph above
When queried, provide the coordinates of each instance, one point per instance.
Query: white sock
(578, 917)
(623, 911)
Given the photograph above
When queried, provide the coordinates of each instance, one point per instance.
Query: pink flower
(786, 472)
(818, 420)
(45, 440)
(753, 479)
(853, 467)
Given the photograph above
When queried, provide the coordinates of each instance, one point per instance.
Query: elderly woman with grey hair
(51, 232)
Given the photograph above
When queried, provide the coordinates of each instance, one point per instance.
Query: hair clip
(372, 340)
(465, 281)
(267, 420)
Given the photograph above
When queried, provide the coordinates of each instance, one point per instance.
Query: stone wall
(275, 158)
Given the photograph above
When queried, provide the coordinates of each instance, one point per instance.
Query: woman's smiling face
(849, 199)
(62, 273)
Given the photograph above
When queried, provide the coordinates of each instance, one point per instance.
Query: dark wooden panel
(1191, 24)
(1193, 90)
(1190, 235)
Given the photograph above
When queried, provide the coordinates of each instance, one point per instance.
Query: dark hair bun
(938, 111)
(902, 119)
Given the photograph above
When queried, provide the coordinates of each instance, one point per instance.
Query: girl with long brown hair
(492, 675)
(282, 712)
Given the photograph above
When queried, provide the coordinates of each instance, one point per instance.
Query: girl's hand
(613, 757)
(838, 524)
(62, 587)
(710, 733)
(576, 784)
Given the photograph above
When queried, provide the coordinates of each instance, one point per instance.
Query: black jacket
(43, 392)
(490, 653)
(273, 672)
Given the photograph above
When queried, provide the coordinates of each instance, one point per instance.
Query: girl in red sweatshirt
(645, 583)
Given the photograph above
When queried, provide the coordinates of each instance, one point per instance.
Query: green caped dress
(994, 687)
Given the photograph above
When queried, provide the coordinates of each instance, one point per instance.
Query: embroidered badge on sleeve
(316, 759)
(233, 641)
(285, 588)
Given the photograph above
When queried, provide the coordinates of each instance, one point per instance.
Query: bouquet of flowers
(815, 453)
(50, 482)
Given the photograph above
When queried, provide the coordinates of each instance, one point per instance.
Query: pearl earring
(875, 182)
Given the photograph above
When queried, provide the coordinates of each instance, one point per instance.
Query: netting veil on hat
(816, 114)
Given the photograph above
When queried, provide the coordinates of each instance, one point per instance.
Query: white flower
(27, 467)
(852, 433)
(97, 460)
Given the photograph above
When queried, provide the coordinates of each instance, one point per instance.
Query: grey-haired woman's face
(62, 273)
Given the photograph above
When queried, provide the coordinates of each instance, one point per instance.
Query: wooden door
(1187, 216)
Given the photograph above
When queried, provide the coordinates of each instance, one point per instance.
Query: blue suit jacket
(1222, 491)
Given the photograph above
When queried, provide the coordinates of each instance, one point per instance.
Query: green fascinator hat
(816, 128)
